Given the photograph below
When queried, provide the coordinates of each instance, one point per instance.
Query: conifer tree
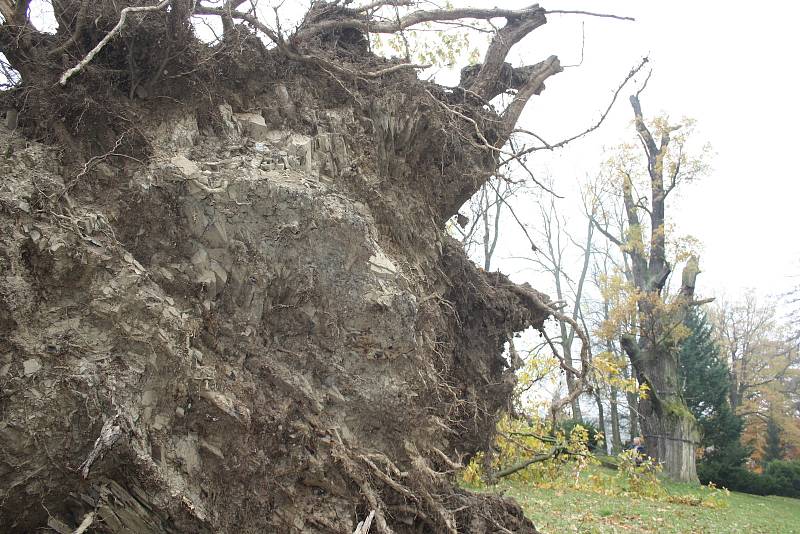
(773, 449)
(705, 384)
(705, 377)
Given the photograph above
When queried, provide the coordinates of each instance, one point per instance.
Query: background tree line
(710, 380)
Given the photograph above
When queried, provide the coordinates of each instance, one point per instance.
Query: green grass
(570, 509)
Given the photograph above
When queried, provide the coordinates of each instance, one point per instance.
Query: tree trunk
(244, 322)
(616, 441)
(575, 404)
(601, 419)
(668, 427)
(672, 440)
(227, 299)
(633, 407)
(633, 414)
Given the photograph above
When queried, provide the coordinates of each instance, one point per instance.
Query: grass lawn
(571, 509)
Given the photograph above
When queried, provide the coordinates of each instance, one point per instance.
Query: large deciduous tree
(653, 344)
(763, 355)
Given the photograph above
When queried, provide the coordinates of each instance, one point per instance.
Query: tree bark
(632, 400)
(601, 418)
(668, 427)
(616, 441)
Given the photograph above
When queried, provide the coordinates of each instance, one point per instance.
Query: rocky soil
(257, 324)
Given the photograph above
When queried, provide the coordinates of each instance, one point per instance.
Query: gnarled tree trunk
(668, 427)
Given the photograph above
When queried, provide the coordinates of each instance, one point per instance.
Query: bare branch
(15, 12)
(412, 19)
(644, 85)
(80, 23)
(562, 361)
(611, 237)
(305, 58)
(534, 248)
(587, 13)
(383, 3)
(585, 355)
(641, 128)
(227, 20)
(534, 86)
(591, 128)
(486, 81)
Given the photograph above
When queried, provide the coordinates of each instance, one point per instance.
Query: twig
(583, 47)
(534, 248)
(588, 130)
(95, 159)
(382, 3)
(587, 13)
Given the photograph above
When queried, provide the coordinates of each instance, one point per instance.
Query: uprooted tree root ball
(227, 301)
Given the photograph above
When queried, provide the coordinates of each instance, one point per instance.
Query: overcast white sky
(730, 65)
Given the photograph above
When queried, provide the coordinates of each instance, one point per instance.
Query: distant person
(639, 449)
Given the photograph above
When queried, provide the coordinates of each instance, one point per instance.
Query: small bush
(595, 436)
(785, 476)
(639, 474)
(564, 454)
(780, 478)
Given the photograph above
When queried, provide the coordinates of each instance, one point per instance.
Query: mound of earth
(260, 325)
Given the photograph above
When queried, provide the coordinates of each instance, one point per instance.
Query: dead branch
(383, 3)
(585, 354)
(15, 12)
(517, 27)
(562, 361)
(633, 72)
(534, 248)
(530, 461)
(414, 18)
(534, 86)
(227, 20)
(80, 24)
(587, 13)
(223, 12)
